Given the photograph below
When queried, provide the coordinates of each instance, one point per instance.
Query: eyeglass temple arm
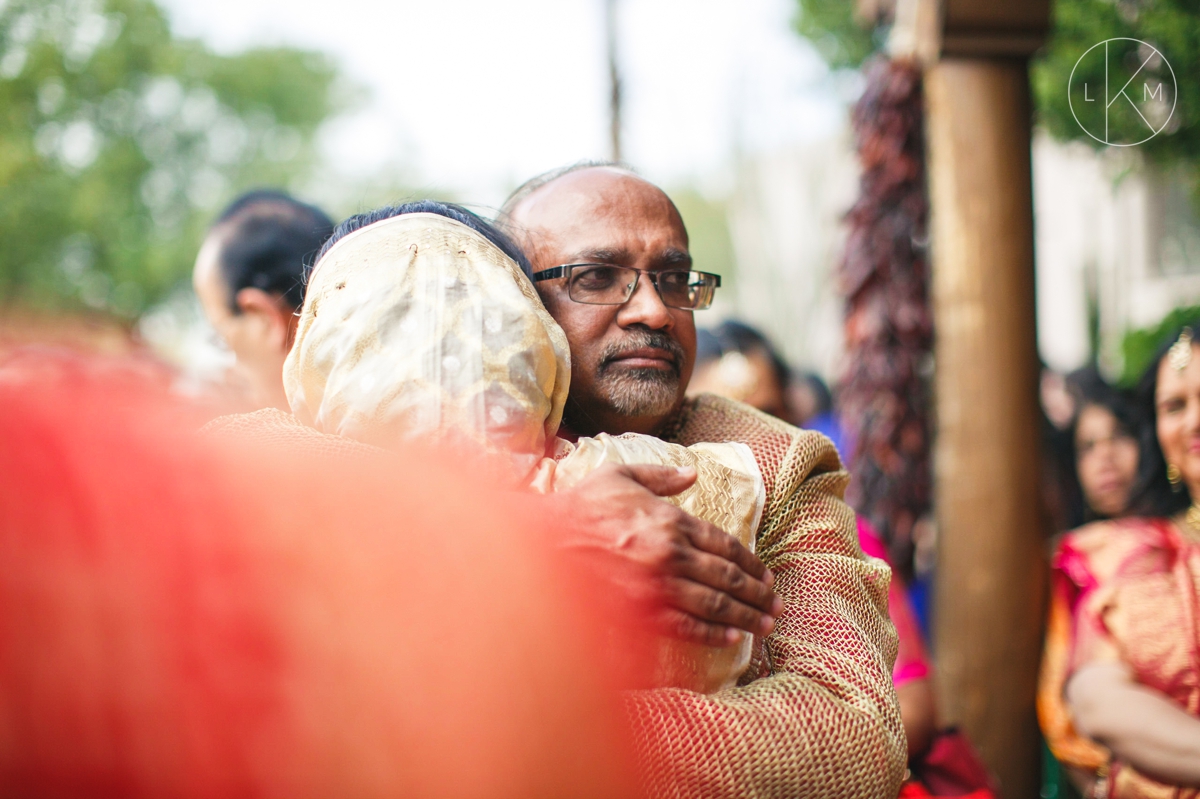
(551, 273)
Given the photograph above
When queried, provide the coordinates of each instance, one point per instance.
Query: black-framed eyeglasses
(607, 284)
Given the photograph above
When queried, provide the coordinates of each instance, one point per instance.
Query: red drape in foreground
(188, 618)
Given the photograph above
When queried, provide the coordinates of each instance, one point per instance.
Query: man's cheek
(550, 299)
(684, 328)
(584, 328)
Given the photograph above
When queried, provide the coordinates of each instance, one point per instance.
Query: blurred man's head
(630, 360)
(249, 277)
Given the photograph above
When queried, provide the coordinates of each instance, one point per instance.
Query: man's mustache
(643, 339)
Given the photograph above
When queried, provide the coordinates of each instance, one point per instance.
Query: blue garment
(827, 423)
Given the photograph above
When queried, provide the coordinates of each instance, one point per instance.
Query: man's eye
(675, 281)
(599, 277)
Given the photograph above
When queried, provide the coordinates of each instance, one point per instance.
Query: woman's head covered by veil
(420, 321)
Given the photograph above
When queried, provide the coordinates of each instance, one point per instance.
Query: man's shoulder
(711, 418)
(713, 406)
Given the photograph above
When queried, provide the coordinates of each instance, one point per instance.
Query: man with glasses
(642, 372)
(816, 715)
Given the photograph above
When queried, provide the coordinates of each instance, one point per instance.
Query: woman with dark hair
(1119, 699)
(448, 210)
(1104, 444)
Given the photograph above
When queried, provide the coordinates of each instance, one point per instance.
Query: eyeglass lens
(613, 285)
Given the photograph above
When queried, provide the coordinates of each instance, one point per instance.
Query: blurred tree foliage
(1171, 26)
(118, 142)
(843, 36)
(1138, 346)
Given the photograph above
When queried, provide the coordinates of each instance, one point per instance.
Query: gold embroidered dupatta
(1124, 591)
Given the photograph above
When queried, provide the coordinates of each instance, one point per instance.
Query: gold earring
(1180, 354)
(1173, 476)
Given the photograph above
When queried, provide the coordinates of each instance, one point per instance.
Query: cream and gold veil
(419, 326)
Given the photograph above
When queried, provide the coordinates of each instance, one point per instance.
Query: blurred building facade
(785, 221)
(1118, 247)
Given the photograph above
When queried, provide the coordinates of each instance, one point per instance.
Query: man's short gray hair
(538, 181)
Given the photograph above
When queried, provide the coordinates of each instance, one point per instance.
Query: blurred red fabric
(182, 617)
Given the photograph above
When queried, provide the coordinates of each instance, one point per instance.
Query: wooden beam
(929, 29)
(994, 27)
(991, 567)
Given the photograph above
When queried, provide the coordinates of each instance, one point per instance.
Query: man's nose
(645, 307)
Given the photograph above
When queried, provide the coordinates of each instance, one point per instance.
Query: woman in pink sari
(1120, 691)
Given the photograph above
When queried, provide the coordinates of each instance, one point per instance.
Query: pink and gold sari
(1124, 591)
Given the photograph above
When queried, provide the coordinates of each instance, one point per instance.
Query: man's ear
(272, 313)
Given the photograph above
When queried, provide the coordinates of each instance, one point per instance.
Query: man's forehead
(596, 207)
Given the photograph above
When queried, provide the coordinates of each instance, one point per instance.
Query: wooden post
(991, 568)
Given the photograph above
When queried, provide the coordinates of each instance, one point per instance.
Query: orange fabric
(1125, 591)
(1065, 742)
(185, 618)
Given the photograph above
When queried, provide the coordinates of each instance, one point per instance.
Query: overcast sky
(476, 95)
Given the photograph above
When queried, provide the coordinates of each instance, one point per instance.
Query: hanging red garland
(884, 392)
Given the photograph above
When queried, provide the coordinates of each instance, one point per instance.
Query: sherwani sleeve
(821, 719)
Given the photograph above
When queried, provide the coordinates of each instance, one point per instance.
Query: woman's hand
(1140, 725)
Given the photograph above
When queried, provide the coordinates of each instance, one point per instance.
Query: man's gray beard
(640, 392)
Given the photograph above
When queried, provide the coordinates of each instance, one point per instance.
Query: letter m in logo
(1147, 94)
